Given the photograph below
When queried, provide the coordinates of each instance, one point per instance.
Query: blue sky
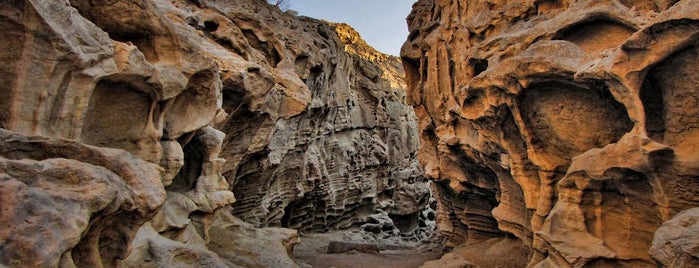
(380, 22)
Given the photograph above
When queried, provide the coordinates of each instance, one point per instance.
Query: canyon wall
(129, 128)
(346, 155)
(564, 130)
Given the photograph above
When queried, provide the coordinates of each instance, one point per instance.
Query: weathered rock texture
(569, 125)
(63, 203)
(148, 104)
(142, 83)
(319, 135)
(675, 242)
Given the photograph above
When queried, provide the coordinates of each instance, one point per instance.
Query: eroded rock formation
(135, 122)
(70, 204)
(674, 243)
(570, 126)
(342, 152)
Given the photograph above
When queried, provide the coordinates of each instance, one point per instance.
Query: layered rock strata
(135, 122)
(570, 126)
(319, 135)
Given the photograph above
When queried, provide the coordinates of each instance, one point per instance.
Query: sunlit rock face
(570, 126)
(130, 128)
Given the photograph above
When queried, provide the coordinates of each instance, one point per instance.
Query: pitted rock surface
(177, 116)
(340, 157)
(568, 125)
(64, 203)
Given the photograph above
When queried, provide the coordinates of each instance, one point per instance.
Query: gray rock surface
(675, 242)
(328, 162)
(298, 119)
(64, 203)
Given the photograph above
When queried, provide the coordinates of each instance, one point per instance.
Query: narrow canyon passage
(238, 133)
(263, 125)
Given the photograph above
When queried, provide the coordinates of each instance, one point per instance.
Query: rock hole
(424, 67)
(413, 35)
(233, 101)
(190, 171)
(317, 70)
(324, 32)
(300, 64)
(412, 72)
(228, 44)
(270, 53)
(210, 26)
(144, 43)
(669, 92)
(596, 35)
(478, 65)
(118, 116)
(405, 223)
(474, 102)
(249, 183)
(286, 219)
(468, 224)
(666, 4)
(569, 119)
(654, 107)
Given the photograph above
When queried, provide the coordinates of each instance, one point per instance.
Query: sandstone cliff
(565, 129)
(344, 157)
(133, 123)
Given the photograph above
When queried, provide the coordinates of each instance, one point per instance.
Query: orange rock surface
(571, 126)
